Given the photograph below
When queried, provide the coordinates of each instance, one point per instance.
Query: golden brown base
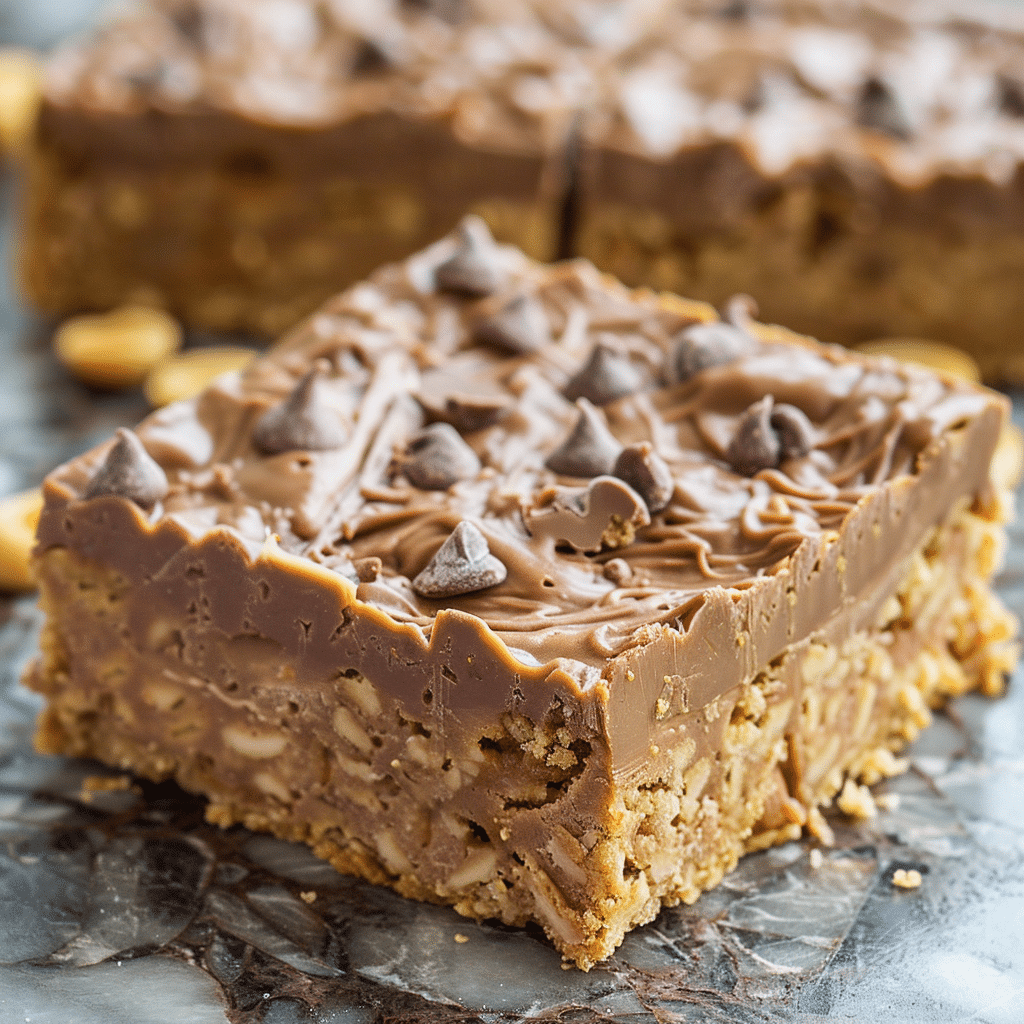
(231, 247)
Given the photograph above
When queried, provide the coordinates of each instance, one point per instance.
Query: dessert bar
(240, 162)
(520, 591)
(854, 167)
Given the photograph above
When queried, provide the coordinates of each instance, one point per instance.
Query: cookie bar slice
(516, 590)
(855, 167)
(239, 162)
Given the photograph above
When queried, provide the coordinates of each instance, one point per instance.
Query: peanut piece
(20, 91)
(1008, 461)
(117, 350)
(904, 879)
(932, 354)
(19, 514)
(184, 376)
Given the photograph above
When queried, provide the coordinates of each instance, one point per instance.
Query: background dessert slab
(854, 166)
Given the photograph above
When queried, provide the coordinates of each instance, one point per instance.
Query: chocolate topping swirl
(837, 426)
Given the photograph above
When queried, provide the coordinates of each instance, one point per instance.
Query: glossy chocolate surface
(891, 449)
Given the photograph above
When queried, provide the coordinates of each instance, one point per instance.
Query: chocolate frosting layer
(725, 527)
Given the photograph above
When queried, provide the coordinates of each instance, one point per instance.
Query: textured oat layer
(278, 755)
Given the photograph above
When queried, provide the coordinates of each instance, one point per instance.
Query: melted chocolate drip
(129, 472)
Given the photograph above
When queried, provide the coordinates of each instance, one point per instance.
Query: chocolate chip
(451, 11)
(437, 457)
(519, 327)
(189, 20)
(647, 473)
(755, 446)
(879, 109)
(736, 10)
(607, 375)
(703, 346)
(129, 471)
(1010, 96)
(767, 434)
(374, 57)
(368, 569)
(461, 565)
(618, 571)
(604, 514)
(590, 449)
(796, 434)
(473, 269)
(304, 421)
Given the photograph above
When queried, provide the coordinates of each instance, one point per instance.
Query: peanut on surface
(932, 354)
(117, 350)
(19, 515)
(185, 375)
(20, 91)
(1008, 461)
